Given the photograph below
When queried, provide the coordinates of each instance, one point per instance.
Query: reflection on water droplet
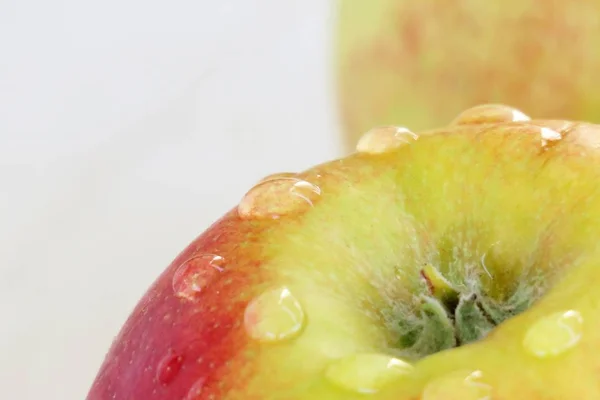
(366, 373)
(459, 385)
(384, 138)
(274, 316)
(196, 390)
(168, 367)
(193, 275)
(278, 196)
(554, 334)
(489, 114)
(549, 136)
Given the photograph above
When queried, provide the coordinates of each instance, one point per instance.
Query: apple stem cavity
(448, 317)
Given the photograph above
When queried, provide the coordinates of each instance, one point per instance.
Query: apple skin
(164, 327)
(197, 346)
(419, 63)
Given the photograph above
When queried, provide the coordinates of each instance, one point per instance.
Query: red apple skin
(200, 341)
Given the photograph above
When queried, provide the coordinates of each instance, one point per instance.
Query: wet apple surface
(457, 263)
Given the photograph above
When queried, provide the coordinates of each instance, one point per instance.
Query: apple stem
(447, 318)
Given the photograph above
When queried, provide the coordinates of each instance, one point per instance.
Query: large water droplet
(196, 390)
(168, 367)
(194, 275)
(278, 175)
(554, 334)
(549, 137)
(366, 373)
(273, 316)
(278, 196)
(384, 138)
(489, 114)
(459, 385)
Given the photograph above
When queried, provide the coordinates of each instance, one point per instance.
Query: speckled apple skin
(419, 63)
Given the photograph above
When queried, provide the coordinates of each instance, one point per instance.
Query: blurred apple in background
(419, 63)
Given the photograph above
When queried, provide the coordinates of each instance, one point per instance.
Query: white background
(126, 128)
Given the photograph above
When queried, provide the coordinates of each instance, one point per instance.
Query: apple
(418, 63)
(455, 263)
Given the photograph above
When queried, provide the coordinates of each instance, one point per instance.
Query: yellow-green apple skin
(460, 263)
(417, 63)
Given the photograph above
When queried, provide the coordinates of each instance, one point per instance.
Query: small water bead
(273, 316)
(366, 373)
(195, 274)
(196, 390)
(459, 385)
(549, 136)
(277, 196)
(489, 114)
(384, 138)
(168, 367)
(554, 334)
(584, 134)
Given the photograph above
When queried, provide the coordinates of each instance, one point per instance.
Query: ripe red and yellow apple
(419, 63)
(459, 263)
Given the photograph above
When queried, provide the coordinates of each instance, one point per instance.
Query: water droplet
(194, 275)
(278, 196)
(463, 385)
(278, 175)
(196, 390)
(273, 316)
(168, 367)
(583, 134)
(554, 334)
(489, 114)
(384, 138)
(366, 373)
(549, 136)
